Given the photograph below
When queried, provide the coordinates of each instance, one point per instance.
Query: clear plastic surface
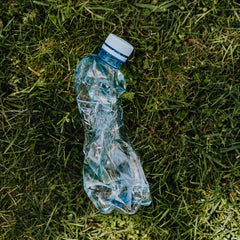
(112, 174)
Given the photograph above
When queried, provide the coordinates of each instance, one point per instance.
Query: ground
(181, 109)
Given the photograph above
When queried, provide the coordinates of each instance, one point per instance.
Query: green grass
(182, 110)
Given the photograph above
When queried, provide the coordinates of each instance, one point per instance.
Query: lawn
(181, 109)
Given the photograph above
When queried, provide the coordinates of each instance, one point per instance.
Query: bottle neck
(109, 59)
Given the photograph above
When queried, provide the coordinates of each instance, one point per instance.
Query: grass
(182, 110)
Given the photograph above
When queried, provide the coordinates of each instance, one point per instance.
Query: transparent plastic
(112, 174)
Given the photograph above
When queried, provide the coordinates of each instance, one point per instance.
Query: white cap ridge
(117, 47)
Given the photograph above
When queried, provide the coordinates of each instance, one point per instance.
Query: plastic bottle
(112, 174)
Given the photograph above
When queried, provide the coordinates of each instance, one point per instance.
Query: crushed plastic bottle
(112, 174)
